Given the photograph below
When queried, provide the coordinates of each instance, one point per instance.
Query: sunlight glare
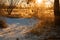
(48, 3)
(38, 1)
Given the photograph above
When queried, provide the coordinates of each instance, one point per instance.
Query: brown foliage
(2, 24)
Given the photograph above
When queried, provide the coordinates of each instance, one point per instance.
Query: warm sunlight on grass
(31, 10)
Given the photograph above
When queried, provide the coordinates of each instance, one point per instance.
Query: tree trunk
(57, 17)
(56, 12)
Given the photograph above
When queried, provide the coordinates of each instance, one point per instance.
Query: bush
(3, 24)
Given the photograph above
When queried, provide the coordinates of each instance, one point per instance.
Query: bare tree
(10, 7)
